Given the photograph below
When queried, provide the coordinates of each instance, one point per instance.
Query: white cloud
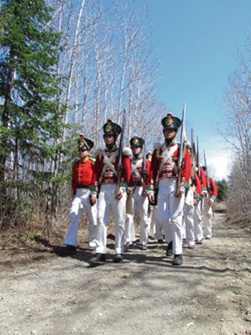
(219, 167)
(218, 158)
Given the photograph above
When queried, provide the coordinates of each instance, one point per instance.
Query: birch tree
(238, 135)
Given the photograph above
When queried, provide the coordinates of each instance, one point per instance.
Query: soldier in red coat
(137, 198)
(82, 173)
(170, 199)
(198, 230)
(209, 196)
(193, 196)
(111, 196)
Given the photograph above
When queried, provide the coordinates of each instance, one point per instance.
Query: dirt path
(209, 294)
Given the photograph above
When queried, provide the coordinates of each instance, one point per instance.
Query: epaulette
(127, 151)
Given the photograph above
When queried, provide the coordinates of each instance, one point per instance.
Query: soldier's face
(83, 154)
(109, 139)
(136, 150)
(169, 133)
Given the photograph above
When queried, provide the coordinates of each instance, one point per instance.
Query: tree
(238, 135)
(109, 65)
(29, 115)
(222, 187)
(48, 93)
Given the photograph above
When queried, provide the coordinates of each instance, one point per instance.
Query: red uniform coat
(82, 173)
(137, 179)
(169, 168)
(107, 175)
(212, 189)
(203, 179)
(209, 186)
(198, 188)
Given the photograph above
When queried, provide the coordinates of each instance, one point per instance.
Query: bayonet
(120, 162)
(182, 149)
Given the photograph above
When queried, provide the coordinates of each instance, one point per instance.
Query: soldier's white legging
(80, 202)
(198, 231)
(156, 231)
(169, 213)
(140, 202)
(107, 203)
(188, 212)
(207, 213)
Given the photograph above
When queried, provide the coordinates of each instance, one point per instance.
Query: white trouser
(156, 231)
(80, 201)
(140, 203)
(198, 232)
(106, 203)
(169, 213)
(207, 213)
(188, 212)
(129, 229)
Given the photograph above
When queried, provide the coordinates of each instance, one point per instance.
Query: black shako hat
(84, 143)
(136, 141)
(111, 128)
(171, 122)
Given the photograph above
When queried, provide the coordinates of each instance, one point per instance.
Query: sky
(197, 42)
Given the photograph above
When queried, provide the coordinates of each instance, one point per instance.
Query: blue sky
(197, 42)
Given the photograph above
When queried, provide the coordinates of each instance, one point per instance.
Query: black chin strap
(168, 141)
(111, 146)
(140, 155)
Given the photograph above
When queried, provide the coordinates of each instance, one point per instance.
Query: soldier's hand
(204, 193)
(211, 201)
(180, 192)
(93, 199)
(120, 193)
(151, 197)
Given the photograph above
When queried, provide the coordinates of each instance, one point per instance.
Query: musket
(120, 162)
(198, 158)
(207, 179)
(193, 154)
(144, 160)
(182, 149)
(205, 164)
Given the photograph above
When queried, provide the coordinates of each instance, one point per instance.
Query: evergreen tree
(29, 114)
(222, 187)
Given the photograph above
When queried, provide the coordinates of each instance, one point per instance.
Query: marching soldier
(198, 229)
(149, 156)
(82, 173)
(170, 198)
(192, 198)
(192, 201)
(105, 178)
(209, 196)
(140, 168)
(157, 233)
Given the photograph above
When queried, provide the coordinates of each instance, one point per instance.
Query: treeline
(66, 66)
(237, 134)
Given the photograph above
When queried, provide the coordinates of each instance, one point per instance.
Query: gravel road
(209, 294)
